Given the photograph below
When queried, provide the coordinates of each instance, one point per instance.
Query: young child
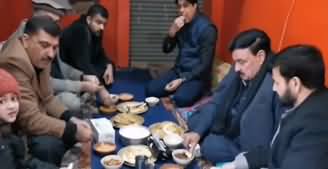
(12, 148)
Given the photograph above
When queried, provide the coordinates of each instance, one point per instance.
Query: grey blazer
(71, 81)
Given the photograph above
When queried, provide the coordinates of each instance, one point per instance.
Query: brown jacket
(40, 111)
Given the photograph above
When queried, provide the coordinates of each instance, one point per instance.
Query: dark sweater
(13, 152)
(82, 49)
(302, 140)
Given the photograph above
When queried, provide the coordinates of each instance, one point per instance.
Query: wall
(286, 21)
(228, 25)
(309, 24)
(215, 9)
(11, 14)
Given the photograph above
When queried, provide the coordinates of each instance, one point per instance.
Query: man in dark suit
(301, 140)
(242, 113)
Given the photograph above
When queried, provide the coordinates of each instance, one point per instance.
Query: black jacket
(301, 141)
(82, 49)
(13, 154)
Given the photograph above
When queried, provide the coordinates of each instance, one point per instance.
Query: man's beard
(98, 33)
(287, 99)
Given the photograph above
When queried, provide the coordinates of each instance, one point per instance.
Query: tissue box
(104, 131)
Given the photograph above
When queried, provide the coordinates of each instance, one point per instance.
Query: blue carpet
(141, 75)
(134, 81)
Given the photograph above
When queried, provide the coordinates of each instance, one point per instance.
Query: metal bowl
(134, 134)
(173, 141)
(104, 162)
(152, 101)
(182, 156)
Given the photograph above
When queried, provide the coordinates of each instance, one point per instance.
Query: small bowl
(170, 166)
(112, 162)
(180, 157)
(114, 98)
(173, 141)
(126, 96)
(104, 148)
(152, 101)
(134, 134)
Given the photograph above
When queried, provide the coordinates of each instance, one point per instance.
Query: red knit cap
(8, 83)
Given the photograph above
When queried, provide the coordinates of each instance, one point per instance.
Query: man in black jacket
(81, 45)
(301, 140)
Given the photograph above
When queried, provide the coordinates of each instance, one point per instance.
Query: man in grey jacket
(76, 89)
(69, 83)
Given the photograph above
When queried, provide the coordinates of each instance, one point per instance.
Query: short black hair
(302, 61)
(97, 9)
(190, 1)
(45, 23)
(254, 39)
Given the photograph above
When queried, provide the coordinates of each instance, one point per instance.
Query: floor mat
(135, 75)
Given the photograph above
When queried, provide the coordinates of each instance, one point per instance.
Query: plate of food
(125, 96)
(162, 129)
(129, 153)
(171, 166)
(132, 107)
(111, 162)
(104, 148)
(125, 119)
(108, 109)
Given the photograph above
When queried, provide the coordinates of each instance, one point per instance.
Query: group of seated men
(268, 111)
(53, 83)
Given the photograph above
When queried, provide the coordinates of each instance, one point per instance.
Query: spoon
(188, 154)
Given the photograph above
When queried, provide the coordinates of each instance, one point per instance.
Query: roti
(167, 127)
(132, 107)
(124, 119)
(129, 153)
(126, 96)
(107, 109)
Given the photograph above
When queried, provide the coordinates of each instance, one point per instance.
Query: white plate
(161, 129)
(134, 132)
(132, 107)
(129, 153)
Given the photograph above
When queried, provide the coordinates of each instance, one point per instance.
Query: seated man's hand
(1, 44)
(107, 101)
(108, 75)
(91, 78)
(190, 140)
(105, 97)
(83, 130)
(83, 123)
(90, 87)
(173, 85)
(176, 26)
